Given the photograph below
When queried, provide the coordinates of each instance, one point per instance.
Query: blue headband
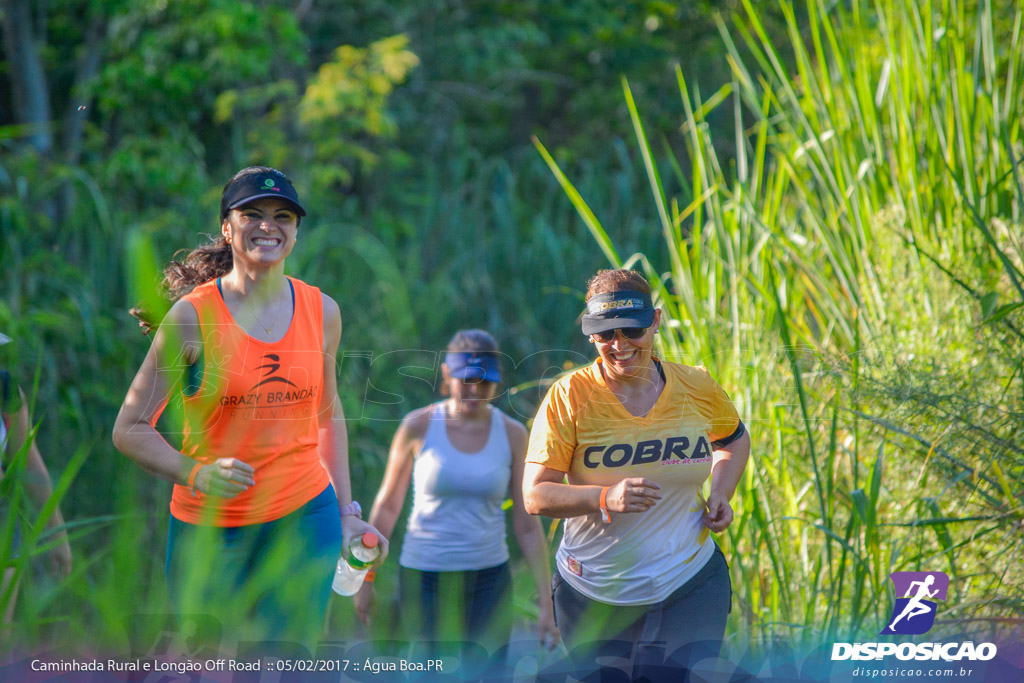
(473, 365)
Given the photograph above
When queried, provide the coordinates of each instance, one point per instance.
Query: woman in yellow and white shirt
(621, 449)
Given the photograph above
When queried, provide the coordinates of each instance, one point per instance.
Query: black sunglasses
(627, 332)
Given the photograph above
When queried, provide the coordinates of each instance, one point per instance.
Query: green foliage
(336, 126)
(505, 70)
(166, 64)
(344, 107)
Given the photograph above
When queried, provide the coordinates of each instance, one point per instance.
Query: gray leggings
(661, 638)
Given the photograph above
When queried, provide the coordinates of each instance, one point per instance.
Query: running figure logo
(914, 612)
(272, 364)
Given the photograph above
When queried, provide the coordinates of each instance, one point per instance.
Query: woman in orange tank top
(262, 499)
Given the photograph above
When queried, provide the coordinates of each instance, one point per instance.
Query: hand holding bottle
(352, 568)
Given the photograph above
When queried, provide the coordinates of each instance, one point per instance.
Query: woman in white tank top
(464, 458)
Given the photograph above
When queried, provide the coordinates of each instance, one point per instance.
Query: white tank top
(456, 522)
(6, 385)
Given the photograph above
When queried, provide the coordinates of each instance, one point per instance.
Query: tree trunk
(81, 94)
(73, 130)
(28, 79)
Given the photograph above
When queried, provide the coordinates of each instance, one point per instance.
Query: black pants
(657, 641)
(456, 606)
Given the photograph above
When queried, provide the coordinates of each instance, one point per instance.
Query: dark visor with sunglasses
(629, 311)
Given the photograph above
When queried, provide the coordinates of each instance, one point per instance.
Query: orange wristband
(370, 576)
(605, 515)
(192, 479)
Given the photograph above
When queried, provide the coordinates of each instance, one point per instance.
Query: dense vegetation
(829, 202)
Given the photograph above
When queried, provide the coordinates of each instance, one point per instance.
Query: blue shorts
(258, 581)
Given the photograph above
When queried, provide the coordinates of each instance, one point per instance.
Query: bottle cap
(370, 540)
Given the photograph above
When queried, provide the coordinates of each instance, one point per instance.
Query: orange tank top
(256, 401)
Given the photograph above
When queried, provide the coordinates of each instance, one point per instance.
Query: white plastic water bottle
(351, 571)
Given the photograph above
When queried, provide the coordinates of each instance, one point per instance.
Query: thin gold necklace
(272, 322)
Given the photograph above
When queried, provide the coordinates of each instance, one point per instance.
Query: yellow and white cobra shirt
(583, 429)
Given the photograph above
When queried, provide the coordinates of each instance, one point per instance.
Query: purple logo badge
(916, 592)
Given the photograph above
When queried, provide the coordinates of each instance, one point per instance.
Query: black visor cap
(261, 185)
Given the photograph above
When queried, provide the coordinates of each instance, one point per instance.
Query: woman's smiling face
(262, 231)
(625, 358)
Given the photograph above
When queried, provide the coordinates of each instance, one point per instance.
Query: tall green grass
(852, 268)
(26, 538)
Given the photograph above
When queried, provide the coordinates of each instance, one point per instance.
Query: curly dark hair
(616, 281)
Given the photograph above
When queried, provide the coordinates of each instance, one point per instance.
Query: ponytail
(204, 263)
